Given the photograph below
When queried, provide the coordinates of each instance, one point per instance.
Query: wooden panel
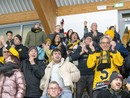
(46, 10)
(18, 17)
(90, 7)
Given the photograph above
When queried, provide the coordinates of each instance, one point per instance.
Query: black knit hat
(19, 37)
(115, 75)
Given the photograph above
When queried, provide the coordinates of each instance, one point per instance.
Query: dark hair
(53, 40)
(111, 27)
(67, 35)
(9, 32)
(55, 50)
(74, 33)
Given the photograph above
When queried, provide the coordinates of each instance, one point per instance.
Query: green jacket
(35, 38)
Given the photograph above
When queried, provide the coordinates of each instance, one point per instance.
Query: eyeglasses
(6, 52)
(107, 43)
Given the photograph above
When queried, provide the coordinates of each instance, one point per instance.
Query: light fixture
(102, 7)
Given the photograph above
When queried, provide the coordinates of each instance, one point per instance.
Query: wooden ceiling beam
(90, 7)
(18, 17)
(46, 10)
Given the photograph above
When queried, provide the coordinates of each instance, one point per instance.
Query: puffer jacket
(13, 86)
(68, 72)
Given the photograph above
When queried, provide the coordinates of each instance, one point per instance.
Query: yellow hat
(110, 33)
(47, 39)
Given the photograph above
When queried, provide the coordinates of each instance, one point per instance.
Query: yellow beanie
(47, 39)
(110, 33)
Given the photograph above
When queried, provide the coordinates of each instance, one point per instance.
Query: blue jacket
(124, 52)
(41, 53)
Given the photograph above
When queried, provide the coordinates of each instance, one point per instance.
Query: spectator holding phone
(58, 29)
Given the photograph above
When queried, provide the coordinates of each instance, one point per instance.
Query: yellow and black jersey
(107, 66)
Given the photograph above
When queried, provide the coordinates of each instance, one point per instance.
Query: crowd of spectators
(51, 66)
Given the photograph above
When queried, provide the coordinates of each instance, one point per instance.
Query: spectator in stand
(94, 32)
(124, 52)
(104, 63)
(54, 91)
(63, 72)
(47, 50)
(72, 44)
(69, 32)
(86, 79)
(12, 83)
(56, 43)
(116, 38)
(35, 37)
(22, 50)
(58, 29)
(6, 51)
(10, 40)
(44, 52)
(33, 71)
(115, 89)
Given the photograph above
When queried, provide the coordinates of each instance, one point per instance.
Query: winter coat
(84, 70)
(23, 51)
(12, 83)
(124, 52)
(9, 43)
(68, 72)
(94, 38)
(33, 74)
(35, 37)
(108, 93)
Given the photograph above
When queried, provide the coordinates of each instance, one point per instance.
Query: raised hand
(91, 46)
(113, 45)
(85, 23)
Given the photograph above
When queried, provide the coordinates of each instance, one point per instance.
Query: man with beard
(63, 72)
(115, 90)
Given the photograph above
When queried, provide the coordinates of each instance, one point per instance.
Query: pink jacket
(12, 87)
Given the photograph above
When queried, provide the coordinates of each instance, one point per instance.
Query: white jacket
(67, 70)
